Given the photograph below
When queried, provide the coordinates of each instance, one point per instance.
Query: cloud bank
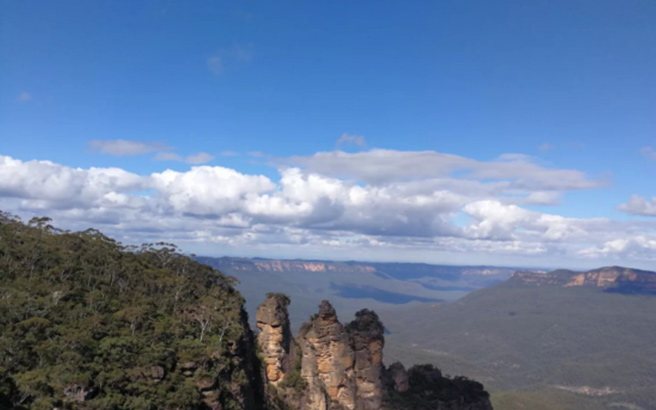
(336, 204)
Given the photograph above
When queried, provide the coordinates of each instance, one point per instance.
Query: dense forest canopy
(86, 322)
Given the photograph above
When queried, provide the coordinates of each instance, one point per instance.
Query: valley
(536, 339)
(543, 338)
(352, 286)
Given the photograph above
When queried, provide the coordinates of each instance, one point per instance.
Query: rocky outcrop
(398, 377)
(327, 361)
(275, 337)
(611, 278)
(367, 340)
(333, 367)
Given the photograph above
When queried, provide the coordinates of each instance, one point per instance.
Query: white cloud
(24, 97)
(542, 198)
(241, 52)
(546, 147)
(168, 156)
(208, 190)
(215, 65)
(62, 187)
(496, 221)
(236, 55)
(648, 152)
(354, 139)
(378, 166)
(200, 158)
(635, 247)
(459, 206)
(639, 205)
(126, 147)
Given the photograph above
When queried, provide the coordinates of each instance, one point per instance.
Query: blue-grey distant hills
(351, 286)
(543, 340)
(616, 279)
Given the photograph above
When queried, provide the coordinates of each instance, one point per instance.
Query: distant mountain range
(611, 279)
(543, 340)
(352, 286)
(384, 269)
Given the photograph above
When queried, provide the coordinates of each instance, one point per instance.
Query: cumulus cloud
(126, 147)
(635, 247)
(494, 220)
(354, 139)
(57, 186)
(639, 205)
(458, 205)
(208, 190)
(24, 97)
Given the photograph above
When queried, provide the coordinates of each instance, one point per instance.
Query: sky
(459, 132)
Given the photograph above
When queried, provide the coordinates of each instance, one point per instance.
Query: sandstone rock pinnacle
(275, 336)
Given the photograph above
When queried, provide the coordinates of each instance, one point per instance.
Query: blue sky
(569, 85)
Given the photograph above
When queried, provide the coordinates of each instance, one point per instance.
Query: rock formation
(398, 377)
(274, 339)
(333, 367)
(366, 336)
(327, 361)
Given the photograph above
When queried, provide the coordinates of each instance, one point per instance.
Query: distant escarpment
(234, 265)
(610, 279)
(329, 366)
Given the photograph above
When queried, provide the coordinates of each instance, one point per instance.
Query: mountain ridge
(537, 343)
(318, 265)
(618, 279)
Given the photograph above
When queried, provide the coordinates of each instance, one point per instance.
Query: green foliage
(283, 298)
(293, 380)
(429, 389)
(84, 318)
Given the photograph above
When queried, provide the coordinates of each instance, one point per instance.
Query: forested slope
(88, 323)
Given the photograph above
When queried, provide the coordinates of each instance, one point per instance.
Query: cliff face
(273, 265)
(341, 367)
(232, 265)
(367, 340)
(328, 361)
(274, 339)
(118, 329)
(611, 278)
